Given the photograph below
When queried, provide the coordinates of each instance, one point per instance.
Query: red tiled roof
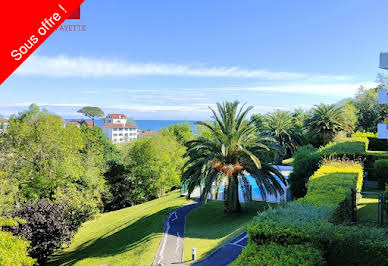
(3, 120)
(119, 126)
(78, 123)
(117, 116)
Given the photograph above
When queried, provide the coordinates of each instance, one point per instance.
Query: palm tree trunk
(232, 202)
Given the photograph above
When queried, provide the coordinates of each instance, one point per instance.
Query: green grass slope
(129, 236)
(208, 226)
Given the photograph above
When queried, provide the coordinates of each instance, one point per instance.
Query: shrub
(306, 162)
(46, 228)
(299, 224)
(376, 144)
(13, 250)
(274, 254)
(354, 145)
(331, 185)
(381, 172)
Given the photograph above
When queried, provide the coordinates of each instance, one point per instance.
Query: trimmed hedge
(274, 254)
(299, 224)
(330, 186)
(381, 172)
(376, 144)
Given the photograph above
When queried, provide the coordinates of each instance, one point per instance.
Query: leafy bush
(13, 250)
(376, 144)
(306, 162)
(331, 185)
(354, 145)
(46, 227)
(299, 224)
(274, 254)
(381, 172)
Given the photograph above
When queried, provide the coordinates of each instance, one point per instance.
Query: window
(115, 129)
(120, 129)
(121, 139)
(115, 135)
(121, 134)
(126, 134)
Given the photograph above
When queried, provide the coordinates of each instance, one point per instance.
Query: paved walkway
(171, 247)
(225, 254)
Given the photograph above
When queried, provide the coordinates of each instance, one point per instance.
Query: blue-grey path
(171, 247)
(225, 254)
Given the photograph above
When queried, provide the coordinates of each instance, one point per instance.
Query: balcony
(384, 60)
(382, 131)
(383, 96)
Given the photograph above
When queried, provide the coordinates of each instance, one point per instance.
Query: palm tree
(326, 121)
(282, 126)
(230, 154)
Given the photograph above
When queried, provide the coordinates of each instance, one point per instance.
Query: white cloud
(63, 66)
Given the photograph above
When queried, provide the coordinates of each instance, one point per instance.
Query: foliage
(325, 122)
(13, 250)
(305, 163)
(91, 112)
(346, 146)
(376, 144)
(156, 162)
(381, 167)
(281, 126)
(182, 132)
(342, 245)
(46, 227)
(330, 186)
(125, 188)
(8, 194)
(129, 236)
(350, 116)
(277, 255)
(231, 152)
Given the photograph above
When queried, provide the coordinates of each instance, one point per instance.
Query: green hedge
(299, 224)
(376, 144)
(331, 185)
(274, 254)
(381, 172)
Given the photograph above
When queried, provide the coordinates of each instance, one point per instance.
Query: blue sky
(173, 59)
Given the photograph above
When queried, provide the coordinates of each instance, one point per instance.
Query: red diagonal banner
(25, 25)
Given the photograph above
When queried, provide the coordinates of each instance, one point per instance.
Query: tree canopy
(91, 112)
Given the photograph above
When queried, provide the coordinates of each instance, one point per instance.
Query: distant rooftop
(117, 116)
(2, 120)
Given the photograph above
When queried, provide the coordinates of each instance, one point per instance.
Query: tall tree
(326, 121)
(230, 154)
(91, 112)
(182, 132)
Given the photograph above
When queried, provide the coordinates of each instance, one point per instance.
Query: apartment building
(117, 129)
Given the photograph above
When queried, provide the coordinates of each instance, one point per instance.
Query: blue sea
(151, 125)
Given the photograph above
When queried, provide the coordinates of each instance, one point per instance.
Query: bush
(274, 254)
(376, 144)
(299, 224)
(381, 172)
(306, 162)
(331, 185)
(46, 227)
(354, 145)
(13, 250)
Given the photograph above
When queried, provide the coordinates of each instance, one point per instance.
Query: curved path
(170, 250)
(226, 253)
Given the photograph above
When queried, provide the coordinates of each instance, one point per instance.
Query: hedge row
(301, 224)
(274, 254)
(307, 224)
(331, 186)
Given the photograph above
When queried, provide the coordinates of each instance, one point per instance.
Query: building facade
(3, 125)
(117, 129)
(382, 128)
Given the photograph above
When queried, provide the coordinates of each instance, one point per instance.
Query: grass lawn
(208, 227)
(128, 236)
(367, 208)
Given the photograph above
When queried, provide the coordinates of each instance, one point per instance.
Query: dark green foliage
(381, 173)
(91, 112)
(125, 188)
(376, 144)
(306, 162)
(277, 255)
(342, 245)
(47, 228)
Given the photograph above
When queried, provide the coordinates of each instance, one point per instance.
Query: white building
(118, 130)
(3, 125)
(382, 128)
